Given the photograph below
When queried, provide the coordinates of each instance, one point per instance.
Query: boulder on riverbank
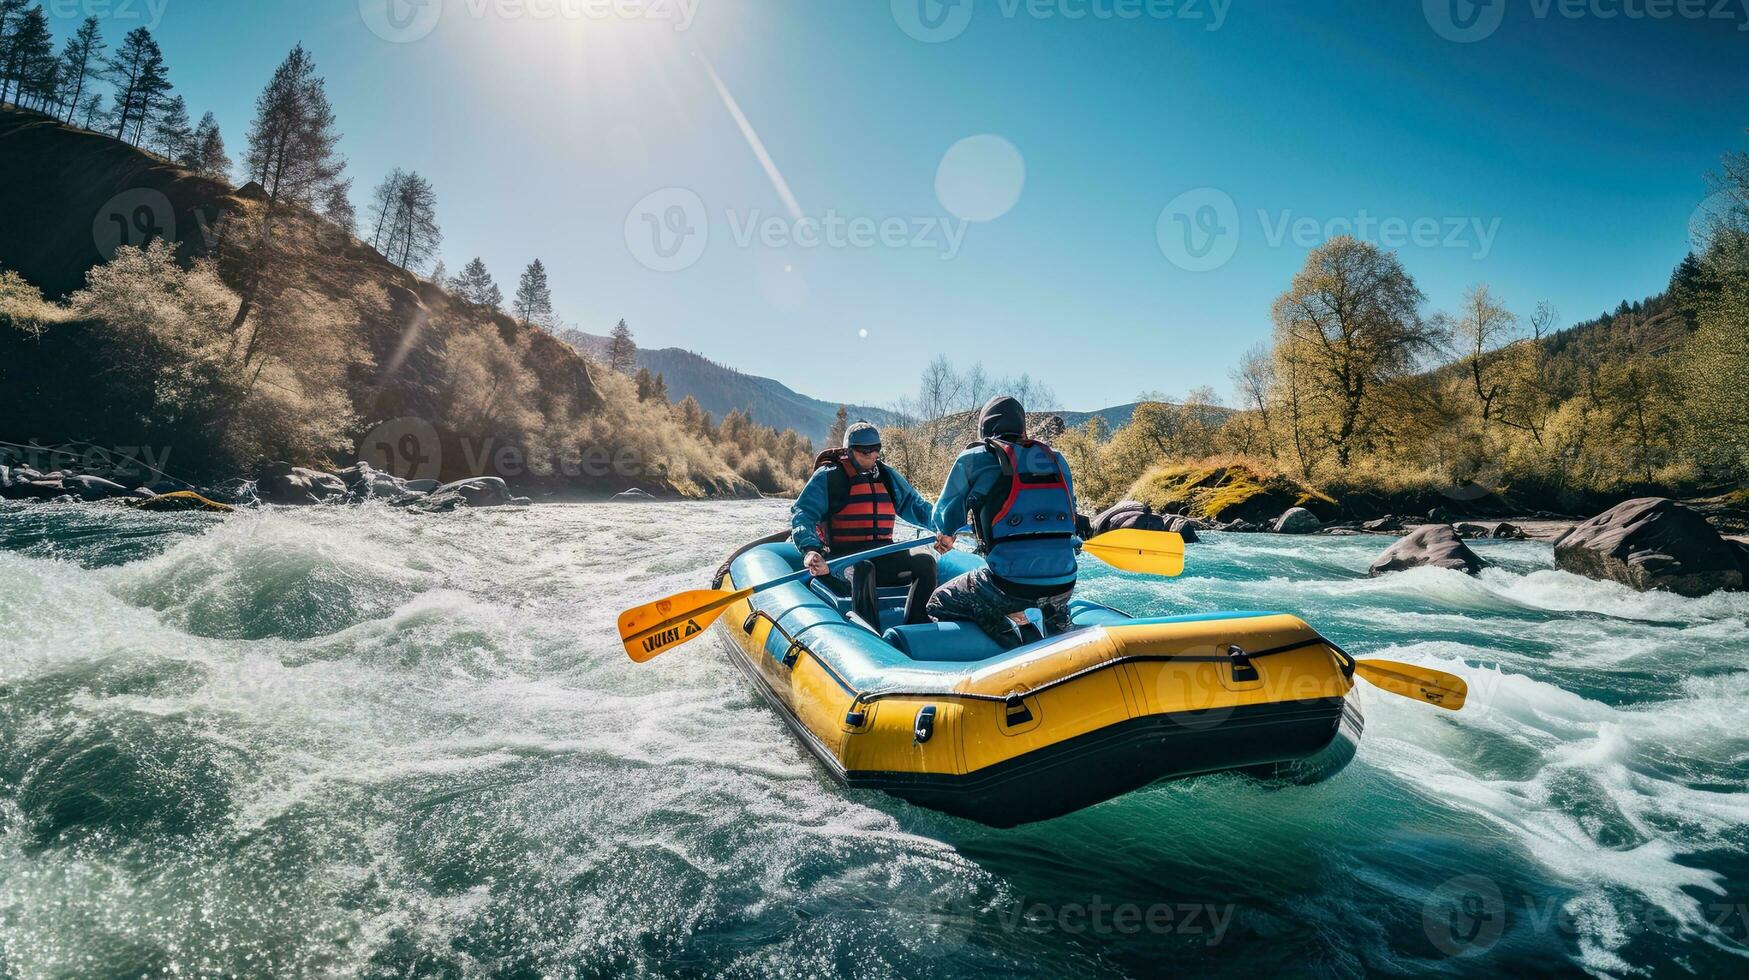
(1653, 543)
(89, 488)
(1502, 531)
(633, 496)
(282, 483)
(366, 482)
(1297, 520)
(1430, 545)
(479, 491)
(1128, 514)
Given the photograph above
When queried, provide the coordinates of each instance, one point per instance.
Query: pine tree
(622, 351)
(840, 424)
(141, 82)
(476, 285)
(12, 14)
(206, 150)
(403, 219)
(646, 384)
(534, 298)
(80, 59)
(659, 388)
(171, 135)
(417, 236)
(92, 115)
(382, 206)
(28, 67)
(292, 156)
(440, 275)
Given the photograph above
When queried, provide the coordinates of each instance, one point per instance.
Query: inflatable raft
(940, 715)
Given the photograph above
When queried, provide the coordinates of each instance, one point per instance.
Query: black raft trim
(1079, 772)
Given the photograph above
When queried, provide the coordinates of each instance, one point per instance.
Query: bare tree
(1253, 379)
(1352, 315)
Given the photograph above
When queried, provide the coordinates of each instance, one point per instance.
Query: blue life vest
(1026, 522)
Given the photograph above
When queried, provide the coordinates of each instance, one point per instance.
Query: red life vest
(863, 516)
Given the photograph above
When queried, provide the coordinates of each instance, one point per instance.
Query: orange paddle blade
(655, 628)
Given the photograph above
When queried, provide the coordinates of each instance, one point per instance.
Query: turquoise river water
(368, 742)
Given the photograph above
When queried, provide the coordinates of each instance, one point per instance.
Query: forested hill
(720, 389)
(114, 331)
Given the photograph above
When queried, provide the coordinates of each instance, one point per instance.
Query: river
(341, 741)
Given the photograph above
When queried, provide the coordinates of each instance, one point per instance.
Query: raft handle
(924, 728)
(1017, 711)
(796, 648)
(1244, 671)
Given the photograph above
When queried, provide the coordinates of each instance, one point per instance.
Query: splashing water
(367, 741)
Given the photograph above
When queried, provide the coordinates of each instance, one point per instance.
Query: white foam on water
(1605, 750)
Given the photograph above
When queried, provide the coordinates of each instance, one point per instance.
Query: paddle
(1133, 550)
(1424, 684)
(653, 629)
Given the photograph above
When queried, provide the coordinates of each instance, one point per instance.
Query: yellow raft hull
(1059, 725)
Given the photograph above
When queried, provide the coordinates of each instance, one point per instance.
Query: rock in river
(1435, 545)
(1653, 543)
(1297, 520)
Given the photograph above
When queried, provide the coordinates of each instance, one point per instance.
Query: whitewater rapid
(341, 741)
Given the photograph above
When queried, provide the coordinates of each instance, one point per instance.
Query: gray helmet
(862, 432)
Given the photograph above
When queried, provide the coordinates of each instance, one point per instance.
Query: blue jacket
(1043, 562)
(810, 508)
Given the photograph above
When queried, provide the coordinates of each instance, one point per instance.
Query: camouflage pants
(975, 598)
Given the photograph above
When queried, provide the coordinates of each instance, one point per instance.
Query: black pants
(976, 597)
(905, 568)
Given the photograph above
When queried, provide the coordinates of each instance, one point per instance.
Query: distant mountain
(721, 389)
(1118, 416)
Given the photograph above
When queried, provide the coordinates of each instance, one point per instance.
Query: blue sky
(1557, 154)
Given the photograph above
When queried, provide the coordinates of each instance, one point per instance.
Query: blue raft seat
(966, 643)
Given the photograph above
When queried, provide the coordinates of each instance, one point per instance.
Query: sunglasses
(867, 450)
